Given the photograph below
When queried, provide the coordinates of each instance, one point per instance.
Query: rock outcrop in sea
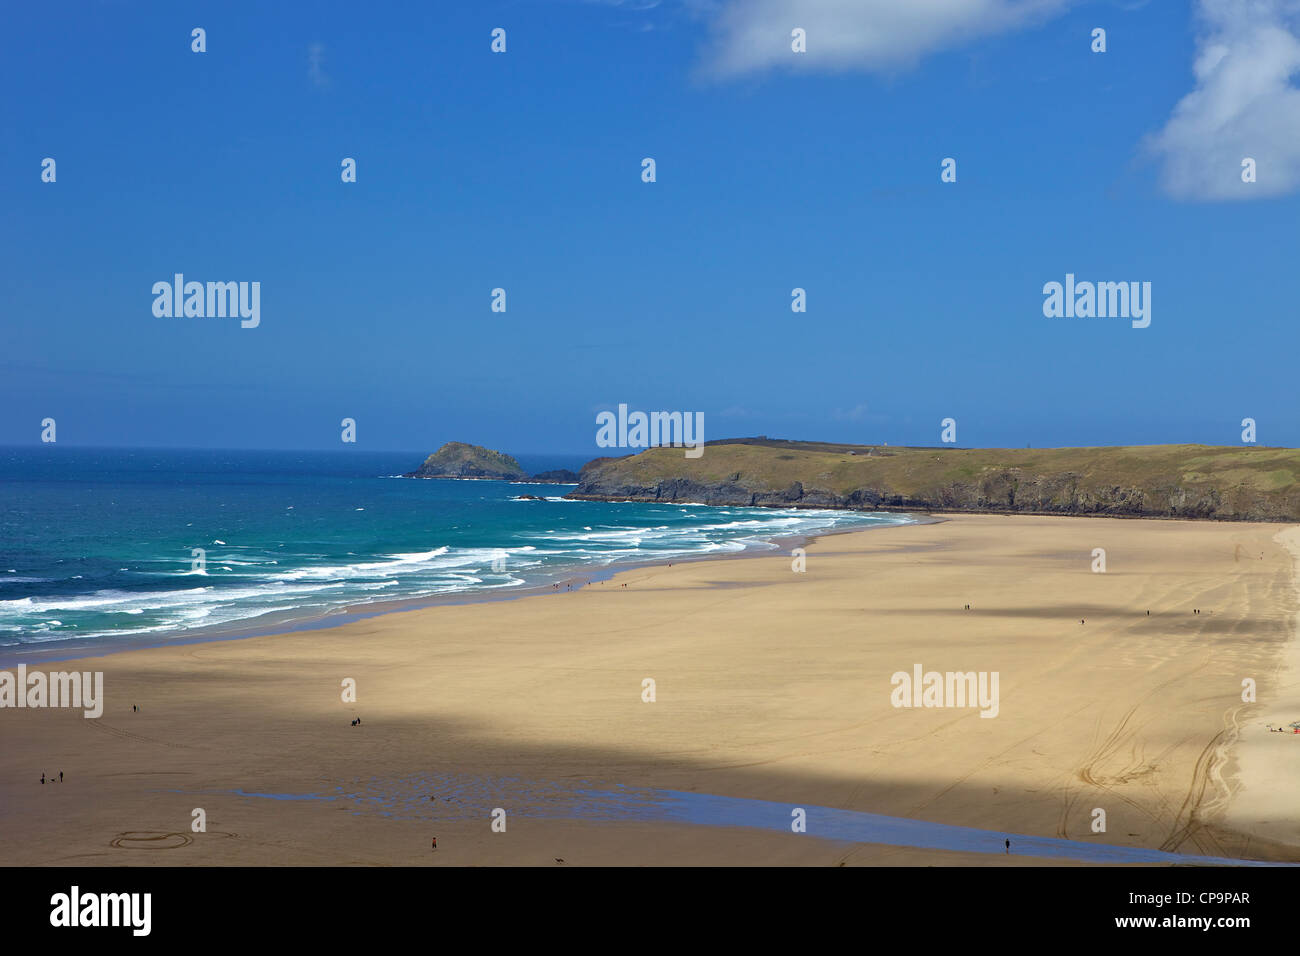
(558, 476)
(457, 459)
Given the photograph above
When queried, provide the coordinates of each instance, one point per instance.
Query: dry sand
(770, 684)
(1266, 764)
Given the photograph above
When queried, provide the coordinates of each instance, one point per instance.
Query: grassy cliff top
(1240, 481)
(842, 468)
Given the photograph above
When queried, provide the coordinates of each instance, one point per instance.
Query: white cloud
(872, 35)
(1244, 105)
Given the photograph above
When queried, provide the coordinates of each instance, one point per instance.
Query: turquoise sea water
(97, 545)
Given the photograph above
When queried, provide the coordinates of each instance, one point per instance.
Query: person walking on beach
(60, 776)
(1008, 848)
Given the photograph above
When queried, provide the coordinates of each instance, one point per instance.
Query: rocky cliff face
(1005, 492)
(1109, 486)
(560, 476)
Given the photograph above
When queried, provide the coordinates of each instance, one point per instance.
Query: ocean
(100, 547)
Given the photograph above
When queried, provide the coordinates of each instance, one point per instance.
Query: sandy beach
(1265, 762)
(769, 685)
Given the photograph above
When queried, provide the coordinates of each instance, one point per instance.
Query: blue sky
(522, 170)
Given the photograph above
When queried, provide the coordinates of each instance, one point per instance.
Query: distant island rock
(459, 460)
(456, 459)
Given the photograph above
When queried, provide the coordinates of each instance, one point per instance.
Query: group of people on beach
(60, 780)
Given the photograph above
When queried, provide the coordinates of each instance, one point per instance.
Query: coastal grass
(1246, 480)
